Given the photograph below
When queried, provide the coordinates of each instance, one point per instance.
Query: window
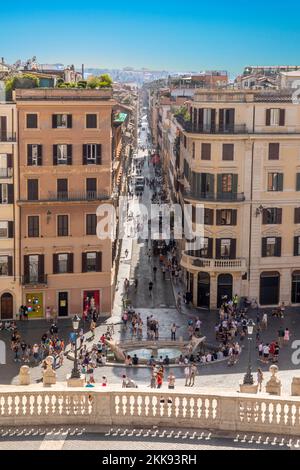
(31, 121)
(33, 268)
(6, 165)
(33, 190)
(4, 193)
(226, 186)
(91, 154)
(296, 287)
(226, 119)
(226, 216)
(62, 263)
(62, 154)
(297, 246)
(275, 117)
(204, 248)
(4, 265)
(297, 181)
(3, 229)
(61, 121)
(271, 246)
(207, 119)
(62, 188)
(228, 152)
(33, 226)
(34, 154)
(91, 121)
(275, 181)
(208, 216)
(91, 262)
(91, 224)
(62, 225)
(297, 215)
(205, 151)
(272, 215)
(225, 248)
(91, 188)
(274, 151)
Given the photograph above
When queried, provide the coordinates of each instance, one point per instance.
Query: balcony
(214, 197)
(226, 129)
(70, 196)
(40, 279)
(220, 265)
(6, 172)
(7, 136)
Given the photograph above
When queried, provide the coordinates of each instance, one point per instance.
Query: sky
(163, 35)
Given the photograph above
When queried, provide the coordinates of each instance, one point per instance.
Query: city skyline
(153, 36)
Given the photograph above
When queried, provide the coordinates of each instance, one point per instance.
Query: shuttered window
(275, 181)
(34, 155)
(274, 151)
(33, 226)
(62, 225)
(91, 224)
(228, 152)
(205, 151)
(272, 215)
(33, 189)
(226, 217)
(271, 246)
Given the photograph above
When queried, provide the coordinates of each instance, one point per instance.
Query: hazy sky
(173, 35)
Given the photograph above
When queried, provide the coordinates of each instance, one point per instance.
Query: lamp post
(248, 379)
(75, 374)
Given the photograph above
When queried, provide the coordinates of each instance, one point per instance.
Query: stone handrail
(35, 405)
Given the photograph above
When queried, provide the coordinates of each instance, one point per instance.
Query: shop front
(91, 301)
(34, 302)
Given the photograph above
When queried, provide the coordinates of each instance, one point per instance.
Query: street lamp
(248, 379)
(75, 371)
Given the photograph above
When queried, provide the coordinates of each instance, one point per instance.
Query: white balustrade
(141, 408)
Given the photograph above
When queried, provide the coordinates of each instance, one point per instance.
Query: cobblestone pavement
(147, 439)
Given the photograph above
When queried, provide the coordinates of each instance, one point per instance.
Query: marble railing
(229, 412)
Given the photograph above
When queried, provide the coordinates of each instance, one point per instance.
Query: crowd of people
(50, 344)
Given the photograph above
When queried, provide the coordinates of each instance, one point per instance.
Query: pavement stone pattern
(148, 439)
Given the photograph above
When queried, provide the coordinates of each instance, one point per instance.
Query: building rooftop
(64, 94)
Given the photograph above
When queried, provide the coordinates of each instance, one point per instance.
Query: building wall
(77, 242)
(9, 212)
(252, 165)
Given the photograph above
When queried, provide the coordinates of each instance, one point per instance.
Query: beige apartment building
(239, 157)
(65, 155)
(10, 290)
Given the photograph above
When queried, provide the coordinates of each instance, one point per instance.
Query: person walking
(173, 332)
(136, 282)
(192, 376)
(187, 375)
(164, 272)
(286, 337)
(126, 253)
(260, 378)
(154, 272)
(92, 329)
(264, 321)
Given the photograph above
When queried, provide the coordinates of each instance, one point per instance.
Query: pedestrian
(282, 309)
(154, 272)
(187, 375)
(136, 282)
(48, 314)
(280, 336)
(104, 381)
(266, 351)
(173, 332)
(171, 380)
(260, 378)
(153, 379)
(193, 371)
(286, 337)
(92, 329)
(178, 302)
(159, 379)
(126, 253)
(264, 321)
(164, 272)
